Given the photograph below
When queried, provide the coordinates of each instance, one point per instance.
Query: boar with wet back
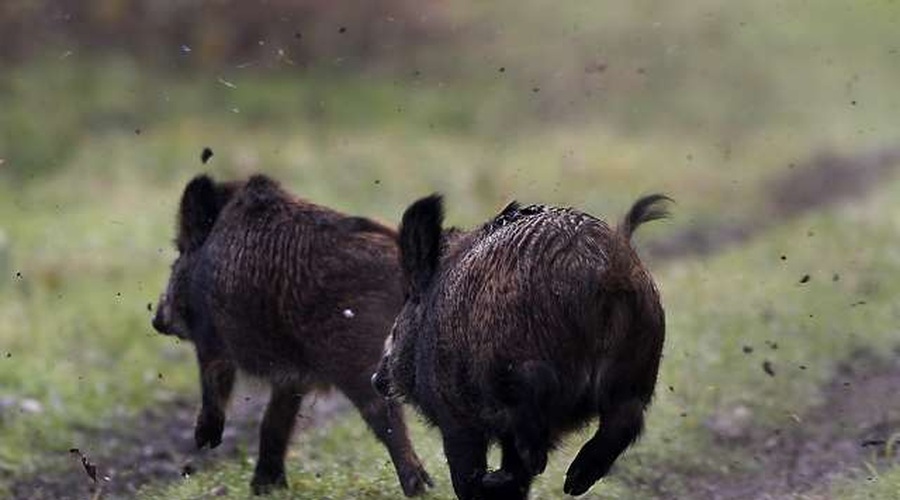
(520, 332)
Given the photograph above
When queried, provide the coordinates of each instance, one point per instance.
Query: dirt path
(157, 445)
(824, 180)
(852, 427)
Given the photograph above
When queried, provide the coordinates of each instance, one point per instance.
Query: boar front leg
(217, 375)
(274, 435)
(385, 419)
(513, 480)
(466, 452)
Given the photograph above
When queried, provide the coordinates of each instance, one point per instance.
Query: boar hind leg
(466, 452)
(217, 374)
(620, 425)
(275, 432)
(385, 419)
(513, 480)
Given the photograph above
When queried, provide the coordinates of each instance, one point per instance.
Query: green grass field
(707, 103)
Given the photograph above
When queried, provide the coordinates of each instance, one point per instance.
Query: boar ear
(200, 205)
(420, 241)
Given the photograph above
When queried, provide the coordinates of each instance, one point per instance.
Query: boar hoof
(500, 484)
(416, 482)
(264, 483)
(580, 479)
(209, 430)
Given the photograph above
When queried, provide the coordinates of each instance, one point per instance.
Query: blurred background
(773, 124)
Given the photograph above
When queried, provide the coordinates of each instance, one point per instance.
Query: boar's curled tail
(645, 209)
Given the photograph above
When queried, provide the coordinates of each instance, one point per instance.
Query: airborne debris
(206, 154)
(227, 83)
(89, 468)
(768, 368)
(804, 279)
(348, 313)
(747, 349)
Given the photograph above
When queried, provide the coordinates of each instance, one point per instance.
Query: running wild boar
(291, 292)
(518, 332)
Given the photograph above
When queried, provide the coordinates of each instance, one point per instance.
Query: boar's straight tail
(420, 241)
(646, 209)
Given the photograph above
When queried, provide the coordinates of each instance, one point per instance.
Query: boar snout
(160, 322)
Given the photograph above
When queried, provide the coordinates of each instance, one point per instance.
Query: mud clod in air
(768, 368)
(206, 154)
(89, 468)
(804, 279)
(747, 349)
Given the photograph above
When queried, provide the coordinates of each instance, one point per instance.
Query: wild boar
(297, 294)
(533, 325)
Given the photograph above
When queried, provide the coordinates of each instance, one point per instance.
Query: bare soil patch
(856, 425)
(157, 446)
(825, 179)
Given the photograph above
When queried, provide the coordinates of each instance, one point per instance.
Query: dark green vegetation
(594, 105)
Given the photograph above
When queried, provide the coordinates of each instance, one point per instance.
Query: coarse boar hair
(520, 331)
(295, 293)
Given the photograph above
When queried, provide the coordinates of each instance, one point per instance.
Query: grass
(705, 102)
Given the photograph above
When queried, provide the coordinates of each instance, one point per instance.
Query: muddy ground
(157, 446)
(851, 430)
(851, 427)
(823, 180)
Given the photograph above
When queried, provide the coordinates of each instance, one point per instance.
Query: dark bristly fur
(538, 322)
(295, 293)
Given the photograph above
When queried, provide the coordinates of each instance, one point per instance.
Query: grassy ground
(706, 103)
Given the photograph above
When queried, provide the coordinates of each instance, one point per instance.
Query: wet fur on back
(536, 323)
